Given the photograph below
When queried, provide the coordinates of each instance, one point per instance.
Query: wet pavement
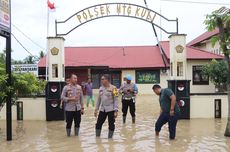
(195, 135)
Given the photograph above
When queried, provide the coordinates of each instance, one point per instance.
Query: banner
(5, 15)
(25, 68)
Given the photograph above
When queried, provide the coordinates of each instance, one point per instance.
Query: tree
(41, 54)
(23, 84)
(221, 19)
(217, 72)
(30, 60)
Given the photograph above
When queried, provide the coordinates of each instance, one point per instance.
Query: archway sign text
(113, 10)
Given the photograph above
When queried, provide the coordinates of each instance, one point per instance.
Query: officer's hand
(82, 111)
(171, 113)
(60, 106)
(72, 98)
(95, 113)
(115, 114)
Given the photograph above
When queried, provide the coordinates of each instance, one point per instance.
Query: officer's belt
(127, 98)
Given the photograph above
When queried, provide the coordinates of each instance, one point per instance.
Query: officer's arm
(121, 89)
(82, 99)
(135, 89)
(63, 95)
(98, 101)
(115, 96)
(173, 102)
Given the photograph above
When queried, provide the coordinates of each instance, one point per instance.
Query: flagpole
(47, 49)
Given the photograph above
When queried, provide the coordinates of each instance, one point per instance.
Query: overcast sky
(30, 16)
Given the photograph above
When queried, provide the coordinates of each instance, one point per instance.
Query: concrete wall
(146, 88)
(203, 106)
(198, 88)
(33, 109)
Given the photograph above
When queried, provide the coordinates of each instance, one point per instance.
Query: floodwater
(195, 135)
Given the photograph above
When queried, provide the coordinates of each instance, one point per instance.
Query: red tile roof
(205, 36)
(125, 57)
(113, 57)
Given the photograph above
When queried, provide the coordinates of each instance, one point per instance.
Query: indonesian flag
(51, 5)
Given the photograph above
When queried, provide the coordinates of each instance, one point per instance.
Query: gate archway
(113, 10)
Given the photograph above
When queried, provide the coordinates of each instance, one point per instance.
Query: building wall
(198, 88)
(207, 46)
(202, 106)
(146, 88)
(33, 109)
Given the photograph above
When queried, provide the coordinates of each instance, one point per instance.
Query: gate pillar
(56, 59)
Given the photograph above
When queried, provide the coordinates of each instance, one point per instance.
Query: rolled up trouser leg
(110, 134)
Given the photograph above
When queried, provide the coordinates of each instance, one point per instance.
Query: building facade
(146, 64)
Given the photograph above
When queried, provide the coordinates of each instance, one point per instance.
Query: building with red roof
(204, 42)
(139, 61)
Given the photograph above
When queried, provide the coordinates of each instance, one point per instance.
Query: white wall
(210, 48)
(33, 109)
(203, 106)
(198, 88)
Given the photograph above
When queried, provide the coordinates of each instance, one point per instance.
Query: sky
(30, 17)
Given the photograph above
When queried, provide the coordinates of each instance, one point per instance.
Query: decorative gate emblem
(179, 49)
(54, 51)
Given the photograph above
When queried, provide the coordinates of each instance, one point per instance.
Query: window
(147, 76)
(198, 77)
(171, 68)
(54, 71)
(180, 69)
(96, 81)
(115, 78)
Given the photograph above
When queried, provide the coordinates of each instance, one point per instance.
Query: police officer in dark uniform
(72, 95)
(129, 91)
(107, 105)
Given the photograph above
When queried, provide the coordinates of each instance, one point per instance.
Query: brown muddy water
(195, 135)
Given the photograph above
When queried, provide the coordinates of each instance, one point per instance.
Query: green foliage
(220, 19)
(26, 84)
(23, 84)
(217, 71)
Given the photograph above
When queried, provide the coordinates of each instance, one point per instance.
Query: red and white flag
(51, 5)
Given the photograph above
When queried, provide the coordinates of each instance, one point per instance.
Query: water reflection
(204, 135)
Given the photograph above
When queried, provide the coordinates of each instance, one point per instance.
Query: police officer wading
(107, 104)
(169, 110)
(72, 95)
(129, 91)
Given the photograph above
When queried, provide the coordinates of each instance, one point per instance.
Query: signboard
(198, 77)
(115, 10)
(5, 15)
(25, 68)
(143, 76)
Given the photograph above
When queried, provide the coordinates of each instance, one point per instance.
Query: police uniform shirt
(108, 99)
(125, 87)
(74, 91)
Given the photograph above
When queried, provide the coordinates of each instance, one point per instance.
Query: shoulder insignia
(115, 92)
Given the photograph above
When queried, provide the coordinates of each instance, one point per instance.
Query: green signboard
(147, 76)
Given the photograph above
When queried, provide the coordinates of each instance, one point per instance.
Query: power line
(22, 45)
(196, 2)
(35, 43)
